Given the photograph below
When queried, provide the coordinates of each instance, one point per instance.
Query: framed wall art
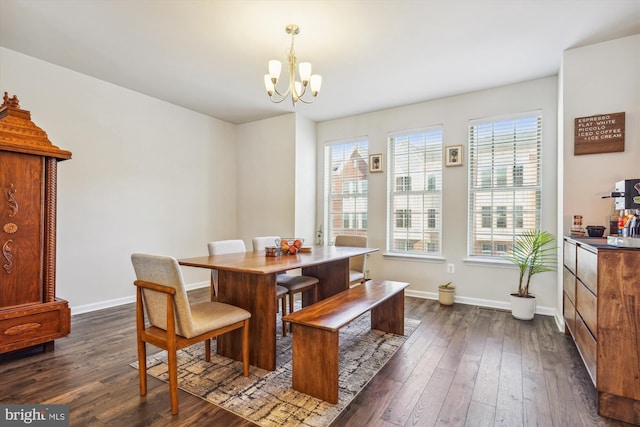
(375, 163)
(453, 155)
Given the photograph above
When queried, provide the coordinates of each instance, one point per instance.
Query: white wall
(601, 78)
(145, 176)
(276, 178)
(266, 178)
(485, 284)
(305, 179)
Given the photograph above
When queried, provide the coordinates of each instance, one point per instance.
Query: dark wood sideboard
(30, 313)
(602, 313)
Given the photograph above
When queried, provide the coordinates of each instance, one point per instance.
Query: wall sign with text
(601, 133)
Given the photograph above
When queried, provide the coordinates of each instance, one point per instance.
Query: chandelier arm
(308, 102)
(275, 90)
(275, 101)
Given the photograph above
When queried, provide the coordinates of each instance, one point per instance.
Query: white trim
(505, 117)
(87, 308)
(498, 305)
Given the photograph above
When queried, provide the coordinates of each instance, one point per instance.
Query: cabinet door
(21, 232)
(569, 255)
(587, 268)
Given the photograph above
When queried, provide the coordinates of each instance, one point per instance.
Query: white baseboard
(498, 305)
(122, 301)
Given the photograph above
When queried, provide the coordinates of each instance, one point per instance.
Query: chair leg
(207, 350)
(173, 379)
(283, 308)
(214, 293)
(142, 366)
(245, 348)
(290, 294)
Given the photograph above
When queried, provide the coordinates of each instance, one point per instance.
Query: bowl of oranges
(290, 246)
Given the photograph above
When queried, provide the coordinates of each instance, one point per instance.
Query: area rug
(266, 397)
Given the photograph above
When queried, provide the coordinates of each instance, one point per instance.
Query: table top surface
(257, 262)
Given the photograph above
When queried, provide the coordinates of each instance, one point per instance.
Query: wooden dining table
(248, 280)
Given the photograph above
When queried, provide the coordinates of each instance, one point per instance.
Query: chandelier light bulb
(269, 84)
(275, 67)
(305, 72)
(316, 83)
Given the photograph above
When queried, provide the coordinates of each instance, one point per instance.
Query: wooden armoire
(30, 313)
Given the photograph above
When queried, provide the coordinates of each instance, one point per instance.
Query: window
(403, 218)
(518, 177)
(346, 188)
(415, 192)
(431, 218)
(403, 183)
(501, 217)
(518, 217)
(501, 176)
(431, 183)
(487, 217)
(502, 206)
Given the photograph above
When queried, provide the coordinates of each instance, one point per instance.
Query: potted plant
(446, 294)
(533, 253)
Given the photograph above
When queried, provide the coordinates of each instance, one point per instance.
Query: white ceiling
(210, 55)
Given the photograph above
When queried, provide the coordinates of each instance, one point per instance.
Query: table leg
(255, 293)
(333, 277)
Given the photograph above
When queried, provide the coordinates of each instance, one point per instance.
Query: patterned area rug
(266, 398)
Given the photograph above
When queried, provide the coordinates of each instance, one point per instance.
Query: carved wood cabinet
(602, 313)
(30, 313)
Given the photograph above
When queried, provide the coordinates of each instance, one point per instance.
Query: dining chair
(221, 247)
(173, 322)
(356, 263)
(293, 284)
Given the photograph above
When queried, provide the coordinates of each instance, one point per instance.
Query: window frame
(421, 185)
(354, 191)
(487, 189)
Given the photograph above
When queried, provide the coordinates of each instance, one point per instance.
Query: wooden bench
(316, 328)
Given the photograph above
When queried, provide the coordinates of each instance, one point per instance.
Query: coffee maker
(627, 194)
(627, 203)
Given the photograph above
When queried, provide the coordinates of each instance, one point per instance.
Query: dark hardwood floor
(463, 366)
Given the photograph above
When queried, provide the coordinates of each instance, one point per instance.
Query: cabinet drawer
(587, 346)
(587, 268)
(569, 284)
(587, 307)
(569, 249)
(569, 313)
(27, 326)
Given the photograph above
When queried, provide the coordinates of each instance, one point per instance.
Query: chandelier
(297, 89)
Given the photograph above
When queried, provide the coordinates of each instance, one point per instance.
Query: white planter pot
(523, 308)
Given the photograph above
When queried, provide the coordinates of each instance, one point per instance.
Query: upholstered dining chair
(220, 247)
(293, 284)
(356, 263)
(174, 323)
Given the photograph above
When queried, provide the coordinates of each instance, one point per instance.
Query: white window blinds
(504, 181)
(415, 192)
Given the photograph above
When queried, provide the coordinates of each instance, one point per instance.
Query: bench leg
(315, 362)
(389, 315)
